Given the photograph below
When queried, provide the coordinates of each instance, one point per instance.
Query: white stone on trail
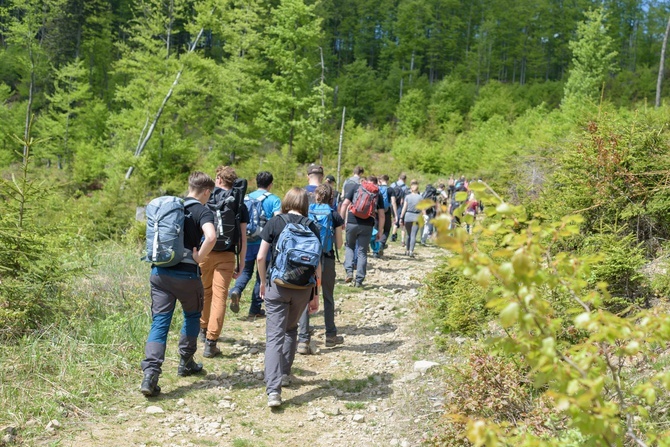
(154, 410)
(358, 418)
(422, 366)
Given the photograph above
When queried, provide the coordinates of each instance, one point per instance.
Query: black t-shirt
(337, 222)
(196, 215)
(351, 184)
(391, 194)
(274, 227)
(370, 221)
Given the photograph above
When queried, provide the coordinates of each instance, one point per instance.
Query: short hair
(323, 193)
(358, 170)
(441, 185)
(264, 179)
(402, 176)
(414, 187)
(227, 175)
(373, 179)
(200, 182)
(296, 199)
(385, 177)
(414, 182)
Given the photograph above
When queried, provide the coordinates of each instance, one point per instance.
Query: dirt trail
(364, 393)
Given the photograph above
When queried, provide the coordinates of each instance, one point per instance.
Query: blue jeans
(245, 277)
(357, 244)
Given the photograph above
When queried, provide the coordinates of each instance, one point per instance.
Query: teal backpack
(165, 231)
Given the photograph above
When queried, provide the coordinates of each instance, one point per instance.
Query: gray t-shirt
(412, 214)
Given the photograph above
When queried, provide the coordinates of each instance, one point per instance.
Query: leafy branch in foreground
(601, 383)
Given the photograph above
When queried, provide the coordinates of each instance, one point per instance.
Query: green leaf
(509, 315)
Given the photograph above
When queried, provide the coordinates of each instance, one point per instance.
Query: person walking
(400, 189)
(359, 224)
(180, 283)
(219, 268)
(409, 217)
(284, 306)
(330, 226)
(390, 211)
(266, 205)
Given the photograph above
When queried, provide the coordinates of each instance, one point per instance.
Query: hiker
(314, 179)
(455, 204)
(180, 282)
(361, 204)
(284, 305)
(349, 185)
(337, 196)
(471, 208)
(430, 193)
(222, 264)
(330, 225)
(409, 217)
(390, 211)
(262, 205)
(400, 189)
(452, 186)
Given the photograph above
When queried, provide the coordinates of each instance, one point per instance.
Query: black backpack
(226, 206)
(430, 193)
(399, 192)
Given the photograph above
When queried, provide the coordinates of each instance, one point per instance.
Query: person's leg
(298, 305)
(303, 332)
(224, 265)
(328, 292)
(349, 247)
(388, 223)
(245, 276)
(207, 271)
(255, 309)
(412, 237)
(407, 228)
(190, 294)
(162, 308)
(364, 235)
(277, 309)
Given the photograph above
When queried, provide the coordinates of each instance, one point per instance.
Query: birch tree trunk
(661, 65)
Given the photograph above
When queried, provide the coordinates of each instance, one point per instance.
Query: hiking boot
(394, 237)
(411, 254)
(348, 279)
(188, 366)
(253, 316)
(358, 285)
(202, 336)
(150, 386)
(334, 340)
(303, 348)
(235, 301)
(285, 380)
(274, 400)
(211, 350)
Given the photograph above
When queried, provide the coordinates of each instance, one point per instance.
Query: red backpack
(365, 200)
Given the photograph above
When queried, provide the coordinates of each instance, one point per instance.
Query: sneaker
(150, 386)
(303, 348)
(188, 366)
(411, 254)
(334, 340)
(235, 301)
(202, 336)
(285, 380)
(348, 279)
(358, 285)
(274, 400)
(211, 350)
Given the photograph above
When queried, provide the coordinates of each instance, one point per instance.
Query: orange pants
(217, 272)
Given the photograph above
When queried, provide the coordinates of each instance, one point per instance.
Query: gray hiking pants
(166, 290)
(283, 308)
(328, 292)
(360, 234)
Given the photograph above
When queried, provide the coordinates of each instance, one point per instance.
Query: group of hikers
(221, 232)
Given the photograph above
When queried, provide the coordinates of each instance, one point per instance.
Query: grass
(354, 406)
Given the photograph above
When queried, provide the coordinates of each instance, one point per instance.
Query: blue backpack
(165, 231)
(297, 255)
(257, 217)
(384, 191)
(322, 214)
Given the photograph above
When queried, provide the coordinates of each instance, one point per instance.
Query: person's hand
(236, 272)
(379, 235)
(261, 291)
(196, 256)
(313, 306)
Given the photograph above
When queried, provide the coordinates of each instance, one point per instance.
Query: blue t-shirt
(271, 205)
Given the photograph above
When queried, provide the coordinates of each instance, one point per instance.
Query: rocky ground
(372, 391)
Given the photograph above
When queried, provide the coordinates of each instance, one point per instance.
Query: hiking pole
(339, 151)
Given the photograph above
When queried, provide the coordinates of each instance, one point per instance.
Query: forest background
(104, 105)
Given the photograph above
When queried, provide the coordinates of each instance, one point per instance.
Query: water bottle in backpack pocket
(165, 231)
(296, 257)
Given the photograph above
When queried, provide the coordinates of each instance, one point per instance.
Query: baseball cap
(330, 178)
(314, 169)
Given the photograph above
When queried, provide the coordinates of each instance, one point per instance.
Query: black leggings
(412, 229)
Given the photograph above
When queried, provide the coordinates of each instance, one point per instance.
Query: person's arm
(394, 206)
(243, 251)
(313, 304)
(210, 239)
(338, 238)
(262, 268)
(402, 213)
(344, 208)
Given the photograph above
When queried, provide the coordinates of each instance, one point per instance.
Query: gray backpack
(165, 232)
